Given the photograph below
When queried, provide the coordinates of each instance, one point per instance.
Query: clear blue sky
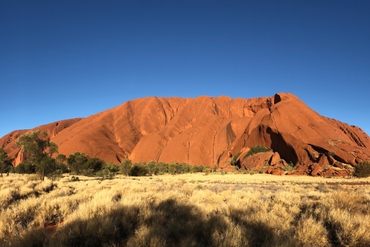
(62, 59)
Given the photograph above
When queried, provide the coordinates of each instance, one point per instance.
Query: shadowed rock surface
(207, 131)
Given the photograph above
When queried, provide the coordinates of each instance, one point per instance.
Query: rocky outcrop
(256, 162)
(8, 142)
(207, 131)
(303, 137)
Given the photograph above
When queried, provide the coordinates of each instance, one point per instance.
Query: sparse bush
(196, 168)
(25, 168)
(109, 171)
(151, 167)
(113, 168)
(207, 171)
(288, 167)
(95, 165)
(5, 162)
(183, 168)
(161, 168)
(234, 160)
(215, 167)
(236, 169)
(255, 150)
(138, 170)
(362, 169)
(56, 175)
(172, 169)
(125, 167)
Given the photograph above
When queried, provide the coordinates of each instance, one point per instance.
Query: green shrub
(233, 161)
(236, 169)
(362, 169)
(95, 165)
(77, 162)
(172, 168)
(207, 170)
(25, 168)
(182, 168)
(138, 170)
(111, 167)
(196, 168)
(150, 165)
(5, 162)
(288, 167)
(255, 150)
(125, 167)
(215, 167)
(161, 168)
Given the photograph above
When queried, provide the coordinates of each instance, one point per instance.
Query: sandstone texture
(210, 131)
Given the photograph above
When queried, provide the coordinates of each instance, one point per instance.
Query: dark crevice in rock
(278, 144)
(318, 149)
(277, 98)
(118, 158)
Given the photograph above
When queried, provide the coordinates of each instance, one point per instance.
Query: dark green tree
(151, 167)
(77, 162)
(61, 166)
(5, 162)
(61, 158)
(125, 167)
(362, 169)
(182, 168)
(162, 168)
(109, 170)
(38, 150)
(138, 169)
(92, 166)
(172, 168)
(25, 168)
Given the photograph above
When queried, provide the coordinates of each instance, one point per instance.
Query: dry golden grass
(185, 210)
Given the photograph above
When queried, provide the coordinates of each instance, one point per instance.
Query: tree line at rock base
(39, 152)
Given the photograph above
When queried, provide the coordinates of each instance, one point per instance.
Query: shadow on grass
(168, 223)
(257, 233)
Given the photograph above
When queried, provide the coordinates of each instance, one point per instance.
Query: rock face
(8, 142)
(206, 131)
(256, 162)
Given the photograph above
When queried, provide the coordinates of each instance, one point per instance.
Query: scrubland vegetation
(83, 201)
(184, 210)
(362, 170)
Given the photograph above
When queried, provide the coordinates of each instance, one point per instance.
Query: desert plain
(185, 210)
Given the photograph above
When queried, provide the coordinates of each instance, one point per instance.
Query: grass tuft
(185, 210)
